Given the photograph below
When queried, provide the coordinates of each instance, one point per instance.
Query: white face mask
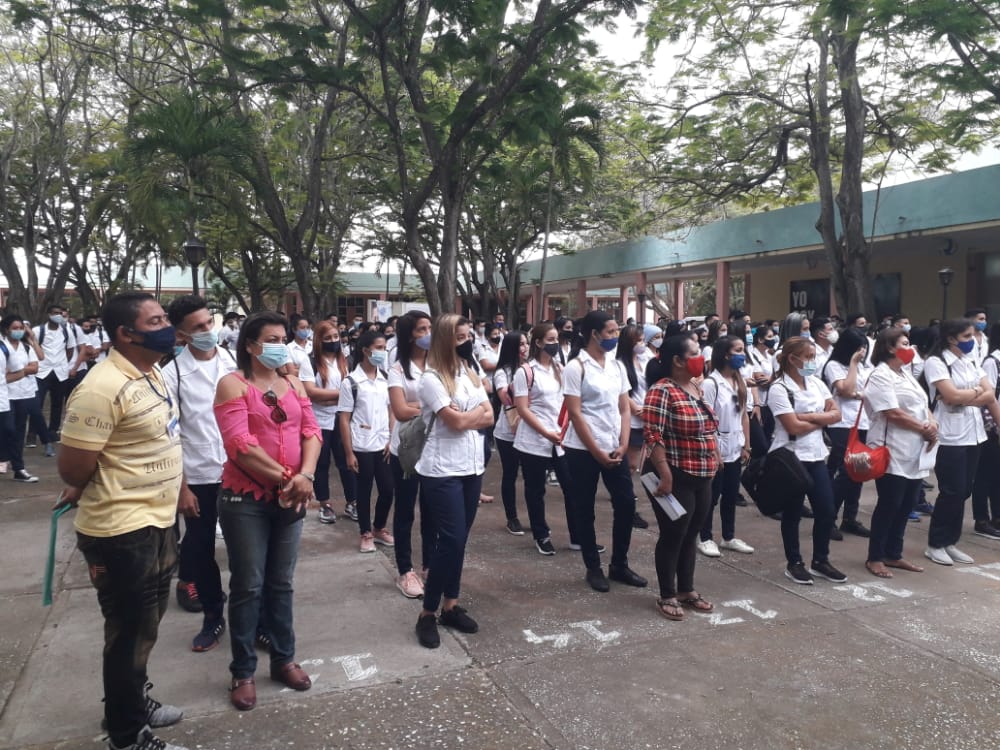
(833, 337)
(657, 342)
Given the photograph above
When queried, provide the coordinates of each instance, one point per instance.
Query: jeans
(25, 410)
(846, 492)
(956, 472)
(675, 547)
(896, 497)
(584, 471)
(452, 503)
(58, 390)
(821, 499)
(373, 469)
(262, 541)
(986, 489)
(131, 573)
(510, 460)
(407, 493)
(725, 490)
(198, 550)
(333, 448)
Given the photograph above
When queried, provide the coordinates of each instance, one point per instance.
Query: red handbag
(861, 462)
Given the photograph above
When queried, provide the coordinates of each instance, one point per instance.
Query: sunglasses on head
(270, 399)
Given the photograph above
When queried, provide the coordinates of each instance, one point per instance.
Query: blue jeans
(452, 503)
(585, 471)
(725, 490)
(896, 497)
(262, 541)
(198, 550)
(333, 449)
(821, 499)
(407, 494)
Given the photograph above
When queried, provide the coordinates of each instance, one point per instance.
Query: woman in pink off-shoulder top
(272, 444)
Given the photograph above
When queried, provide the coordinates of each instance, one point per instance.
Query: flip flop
(670, 609)
(883, 573)
(904, 565)
(697, 603)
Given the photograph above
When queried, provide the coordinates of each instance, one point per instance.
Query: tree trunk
(545, 242)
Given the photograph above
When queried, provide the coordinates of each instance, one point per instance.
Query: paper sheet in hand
(669, 503)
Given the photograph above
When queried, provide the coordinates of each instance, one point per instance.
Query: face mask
(303, 333)
(776, 329)
(980, 325)
(464, 350)
(748, 339)
(695, 366)
(86, 330)
(862, 330)
(272, 356)
(808, 368)
(566, 335)
(770, 343)
(161, 340)
(357, 324)
(833, 337)
(906, 327)
(57, 320)
(723, 333)
(331, 347)
(609, 345)
(390, 336)
(377, 358)
(656, 343)
(496, 339)
(480, 332)
(906, 355)
(501, 326)
(736, 361)
(17, 335)
(551, 349)
(203, 340)
(966, 347)
(807, 335)
(178, 350)
(639, 348)
(424, 342)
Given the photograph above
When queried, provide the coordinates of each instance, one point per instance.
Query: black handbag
(783, 481)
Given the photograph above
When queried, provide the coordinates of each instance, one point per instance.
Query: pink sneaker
(411, 585)
(383, 537)
(367, 542)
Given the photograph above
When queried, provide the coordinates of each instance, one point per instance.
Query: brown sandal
(904, 565)
(670, 609)
(697, 603)
(878, 569)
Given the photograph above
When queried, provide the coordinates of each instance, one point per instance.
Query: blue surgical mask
(907, 327)
(57, 320)
(736, 361)
(771, 343)
(17, 335)
(273, 356)
(177, 350)
(424, 342)
(808, 368)
(303, 333)
(377, 358)
(609, 345)
(749, 339)
(980, 325)
(161, 340)
(203, 340)
(966, 347)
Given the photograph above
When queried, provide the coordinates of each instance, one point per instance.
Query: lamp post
(194, 249)
(945, 275)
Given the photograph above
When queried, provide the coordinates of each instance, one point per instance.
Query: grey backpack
(412, 439)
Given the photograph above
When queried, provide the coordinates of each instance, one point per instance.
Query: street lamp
(194, 249)
(945, 275)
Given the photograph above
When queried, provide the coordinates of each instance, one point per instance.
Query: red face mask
(906, 355)
(695, 366)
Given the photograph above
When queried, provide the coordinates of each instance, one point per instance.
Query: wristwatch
(307, 475)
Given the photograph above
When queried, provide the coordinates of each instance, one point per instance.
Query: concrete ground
(911, 662)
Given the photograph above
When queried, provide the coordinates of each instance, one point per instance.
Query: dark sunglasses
(270, 399)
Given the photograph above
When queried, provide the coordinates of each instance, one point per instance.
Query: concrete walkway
(911, 662)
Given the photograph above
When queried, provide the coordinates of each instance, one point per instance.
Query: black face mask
(464, 350)
(331, 347)
(566, 335)
(496, 339)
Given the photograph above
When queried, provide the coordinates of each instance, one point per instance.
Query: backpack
(44, 327)
(510, 411)
(927, 386)
(413, 438)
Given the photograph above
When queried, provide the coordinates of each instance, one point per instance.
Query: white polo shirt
(191, 384)
(886, 389)
(299, 356)
(20, 357)
(598, 388)
(54, 346)
(370, 414)
(639, 392)
(411, 394)
(545, 399)
(723, 398)
(957, 425)
(448, 452)
(326, 413)
(849, 407)
(4, 388)
(501, 430)
(808, 447)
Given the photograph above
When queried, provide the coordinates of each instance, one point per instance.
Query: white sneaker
(4, 466)
(957, 555)
(938, 555)
(737, 545)
(709, 548)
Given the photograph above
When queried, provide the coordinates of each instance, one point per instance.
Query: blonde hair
(442, 355)
(796, 346)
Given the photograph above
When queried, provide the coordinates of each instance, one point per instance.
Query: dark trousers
(27, 410)
(452, 503)
(675, 547)
(821, 500)
(956, 473)
(534, 468)
(510, 461)
(332, 451)
(896, 497)
(986, 489)
(131, 573)
(584, 471)
(407, 492)
(373, 469)
(725, 491)
(8, 450)
(846, 492)
(57, 390)
(198, 550)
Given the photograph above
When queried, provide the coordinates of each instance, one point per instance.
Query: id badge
(174, 428)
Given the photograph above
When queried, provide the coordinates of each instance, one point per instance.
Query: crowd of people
(237, 431)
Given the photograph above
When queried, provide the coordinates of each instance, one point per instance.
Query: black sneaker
(855, 527)
(741, 501)
(427, 631)
(797, 572)
(601, 549)
(826, 570)
(22, 476)
(209, 636)
(327, 514)
(187, 597)
(626, 575)
(987, 529)
(638, 522)
(514, 527)
(146, 741)
(836, 535)
(544, 546)
(459, 619)
(597, 581)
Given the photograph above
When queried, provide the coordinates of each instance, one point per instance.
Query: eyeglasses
(270, 399)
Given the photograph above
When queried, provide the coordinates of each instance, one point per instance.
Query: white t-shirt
(957, 425)
(20, 357)
(54, 346)
(448, 452)
(545, 399)
(370, 415)
(849, 407)
(326, 413)
(723, 398)
(886, 389)
(411, 394)
(501, 430)
(808, 447)
(598, 389)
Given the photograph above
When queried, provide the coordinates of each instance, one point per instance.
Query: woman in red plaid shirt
(680, 432)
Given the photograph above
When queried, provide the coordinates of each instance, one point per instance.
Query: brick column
(722, 289)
